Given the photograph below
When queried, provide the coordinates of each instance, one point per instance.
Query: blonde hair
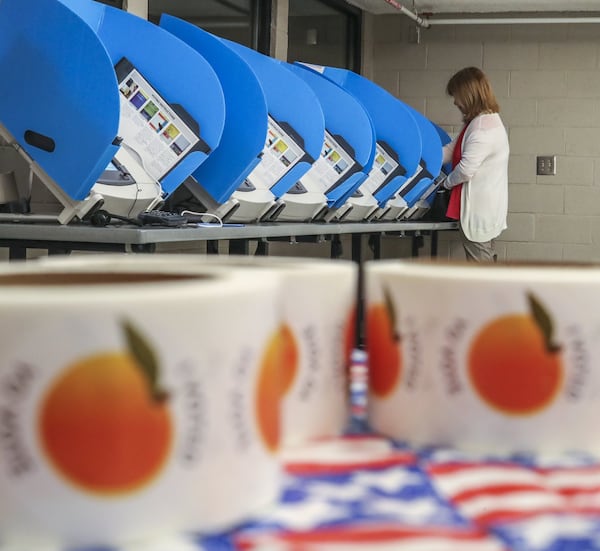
(473, 91)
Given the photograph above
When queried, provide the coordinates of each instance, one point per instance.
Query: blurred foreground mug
(137, 398)
(318, 308)
(491, 359)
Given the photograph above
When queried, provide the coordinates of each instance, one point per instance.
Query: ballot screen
(150, 125)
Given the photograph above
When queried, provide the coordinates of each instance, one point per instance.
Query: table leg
(238, 246)
(434, 243)
(262, 248)
(417, 243)
(375, 245)
(357, 247)
(212, 247)
(336, 246)
(17, 253)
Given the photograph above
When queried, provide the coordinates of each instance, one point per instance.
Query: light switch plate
(546, 165)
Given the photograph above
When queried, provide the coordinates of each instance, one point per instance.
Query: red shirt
(453, 210)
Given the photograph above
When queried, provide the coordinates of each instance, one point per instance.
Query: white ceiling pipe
(419, 20)
(512, 20)
(429, 21)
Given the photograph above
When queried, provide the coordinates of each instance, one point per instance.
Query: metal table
(62, 239)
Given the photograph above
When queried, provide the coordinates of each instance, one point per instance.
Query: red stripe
(583, 470)
(497, 490)
(315, 468)
(369, 535)
(575, 491)
(451, 468)
(594, 511)
(500, 516)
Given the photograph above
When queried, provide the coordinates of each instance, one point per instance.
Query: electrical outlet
(546, 165)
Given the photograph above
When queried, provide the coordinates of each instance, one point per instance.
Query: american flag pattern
(369, 494)
(430, 500)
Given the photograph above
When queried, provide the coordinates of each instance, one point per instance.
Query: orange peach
(101, 427)
(384, 352)
(513, 363)
(278, 370)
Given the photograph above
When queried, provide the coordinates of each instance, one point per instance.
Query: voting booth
(417, 193)
(398, 145)
(424, 203)
(245, 126)
(445, 170)
(293, 141)
(116, 117)
(346, 156)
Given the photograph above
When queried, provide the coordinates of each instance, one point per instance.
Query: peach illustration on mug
(514, 363)
(383, 348)
(278, 370)
(104, 424)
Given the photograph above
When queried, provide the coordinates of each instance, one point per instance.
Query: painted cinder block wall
(547, 79)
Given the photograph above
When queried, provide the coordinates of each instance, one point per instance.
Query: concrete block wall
(547, 80)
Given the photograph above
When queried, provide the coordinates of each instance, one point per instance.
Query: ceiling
(425, 7)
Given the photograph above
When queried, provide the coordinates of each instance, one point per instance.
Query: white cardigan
(483, 171)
